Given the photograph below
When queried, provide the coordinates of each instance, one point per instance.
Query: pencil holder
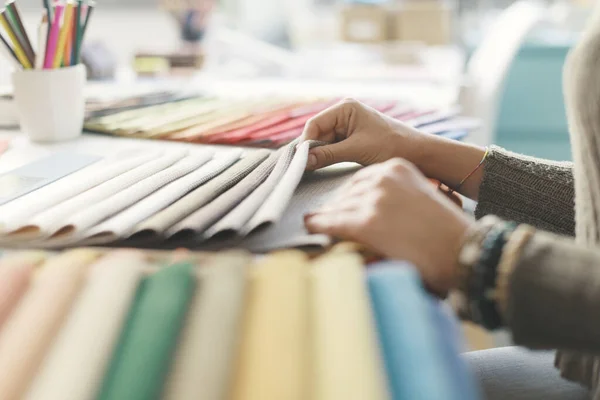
(51, 102)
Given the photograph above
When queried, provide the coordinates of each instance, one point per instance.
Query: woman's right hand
(361, 134)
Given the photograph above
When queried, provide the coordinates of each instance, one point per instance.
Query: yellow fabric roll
(346, 363)
(203, 365)
(33, 325)
(273, 354)
(78, 358)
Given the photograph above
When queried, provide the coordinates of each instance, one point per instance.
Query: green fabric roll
(149, 339)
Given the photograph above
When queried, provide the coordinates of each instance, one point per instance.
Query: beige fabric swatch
(274, 206)
(204, 363)
(198, 221)
(91, 215)
(14, 280)
(235, 220)
(163, 220)
(32, 327)
(14, 215)
(346, 362)
(122, 224)
(50, 220)
(76, 363)
(274, 353)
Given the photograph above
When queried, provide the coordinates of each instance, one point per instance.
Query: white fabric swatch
(52, 219)
(88, 217)
(273, 208)
(14, 214)
(122, 225)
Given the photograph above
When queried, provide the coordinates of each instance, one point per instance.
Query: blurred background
(499, 60)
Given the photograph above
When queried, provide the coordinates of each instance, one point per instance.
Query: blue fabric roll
(416, 368)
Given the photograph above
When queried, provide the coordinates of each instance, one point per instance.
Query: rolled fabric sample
(33, 325)
(273, 357)
(273, 208)
(122, 224)
(142, 359)
(345, 352)
(407, 334)
(50, 220)
(203, 366)
(201, 219)
(236, 218)
(85, 219)
(163, 220)
(14, 281)
(15, 215)
(451, 346)
(79, 356)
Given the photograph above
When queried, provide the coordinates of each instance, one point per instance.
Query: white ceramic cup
(51, 102)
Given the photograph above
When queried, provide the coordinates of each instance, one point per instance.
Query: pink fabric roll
(28, 333)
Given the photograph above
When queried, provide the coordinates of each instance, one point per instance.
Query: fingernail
(309, 215)
(312, 161)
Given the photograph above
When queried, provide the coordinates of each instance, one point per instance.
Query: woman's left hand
(394, 210)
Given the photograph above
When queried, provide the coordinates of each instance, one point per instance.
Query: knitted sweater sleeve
(528, 190)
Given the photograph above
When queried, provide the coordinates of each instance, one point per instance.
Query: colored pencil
(49, 10)
(42, 41)
(64, 34)
(68, 47)
(23, 59)
(76, 34)
(15, 18)
(53, 38)
(88, 14)
(9, 53)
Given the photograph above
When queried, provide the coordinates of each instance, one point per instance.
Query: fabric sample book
(28, 333)
(140, 364)
(407, 331)
(80, 354)
(343, 330)
(203, 364)
(163, 220)
(277, 320)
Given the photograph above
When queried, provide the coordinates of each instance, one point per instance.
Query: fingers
(331, 122)
(335, 224)
(320, 157)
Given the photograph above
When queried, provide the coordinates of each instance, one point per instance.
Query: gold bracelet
(470, 174)
(508, 261)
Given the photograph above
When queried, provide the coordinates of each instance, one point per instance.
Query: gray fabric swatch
(160, 222)
(315, 188)
(276, 203)
(207, 215)
(235, 220)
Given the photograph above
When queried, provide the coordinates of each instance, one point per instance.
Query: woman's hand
(358, 133)
(394, 210)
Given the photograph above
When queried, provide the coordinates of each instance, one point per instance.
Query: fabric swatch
(273, 357)
(235, 220)
(343, 330)
(52, 219)
(316, 187)
(163, 220)
(201, 219)
(142, 359)
(451, 346)
(14, 281)
(77, 361)
(14, 215)
(33, 325)
(276, 203)
(407, 334)
(203, 366)
(87, 218)
(122, 224)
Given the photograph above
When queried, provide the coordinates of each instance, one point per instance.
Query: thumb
(320, 157)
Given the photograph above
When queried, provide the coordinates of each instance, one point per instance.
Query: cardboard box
(425, 21)
(364, 23)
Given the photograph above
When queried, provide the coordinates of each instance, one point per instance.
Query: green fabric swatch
(149, 339)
